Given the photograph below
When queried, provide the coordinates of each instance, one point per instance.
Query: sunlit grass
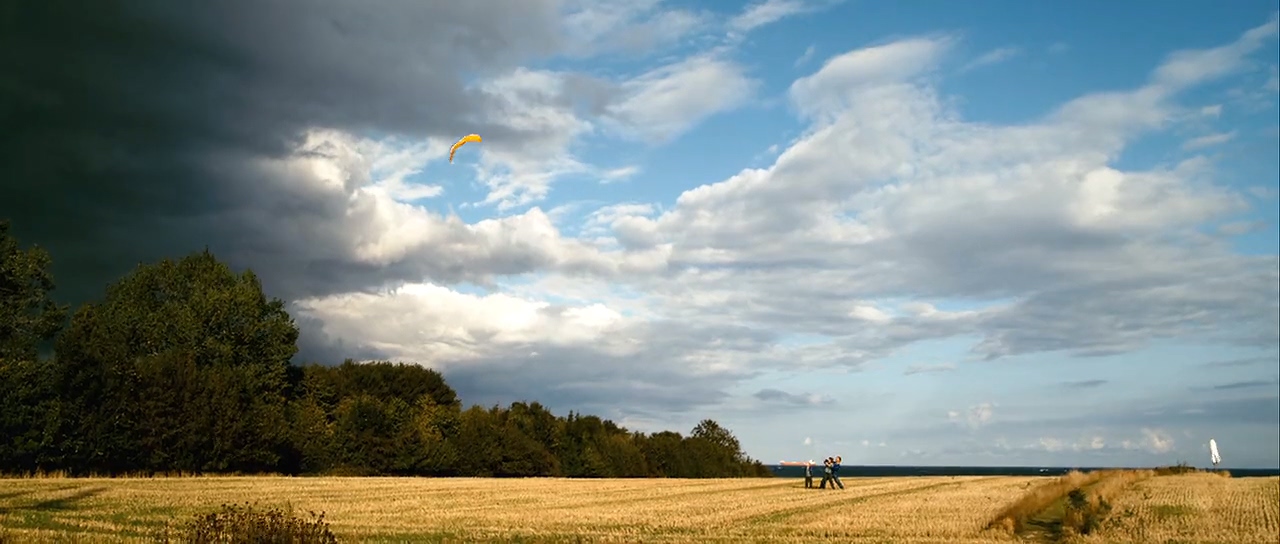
(1195, 508)
(911, 510)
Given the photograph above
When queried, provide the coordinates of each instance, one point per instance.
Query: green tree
(721, 437)
(429, 437)
(27, 315)
(368, 435)
(384, 380)
(194, 315)
(479, 442)
(29, 416)
(311, 436)
(665, 455)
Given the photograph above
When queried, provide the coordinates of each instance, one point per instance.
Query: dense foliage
(185, 366)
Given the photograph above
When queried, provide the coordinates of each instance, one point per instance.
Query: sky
(930, 233)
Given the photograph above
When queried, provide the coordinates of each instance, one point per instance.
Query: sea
(879, 471)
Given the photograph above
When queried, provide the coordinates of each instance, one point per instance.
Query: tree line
(185, 366)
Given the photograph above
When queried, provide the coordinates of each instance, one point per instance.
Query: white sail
(1213, 452)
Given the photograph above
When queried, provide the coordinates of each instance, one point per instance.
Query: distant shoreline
(896, 470)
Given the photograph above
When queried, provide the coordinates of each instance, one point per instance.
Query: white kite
(1213, 452)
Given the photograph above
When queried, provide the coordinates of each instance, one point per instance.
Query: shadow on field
(15, 494)
(54, 505)
(1045, 529)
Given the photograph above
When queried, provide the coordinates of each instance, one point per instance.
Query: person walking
(826, 473)
(835, 473)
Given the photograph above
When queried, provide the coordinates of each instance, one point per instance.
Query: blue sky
(944, 233)
(1000, 233)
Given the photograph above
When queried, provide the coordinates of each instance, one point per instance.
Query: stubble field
(1185, 508)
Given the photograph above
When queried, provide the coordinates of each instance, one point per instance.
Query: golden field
(1182, 508)
(1197, 508)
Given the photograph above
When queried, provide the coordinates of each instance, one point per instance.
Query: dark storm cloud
(314, 346)
(128, 125)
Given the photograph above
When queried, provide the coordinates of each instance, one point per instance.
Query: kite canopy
(468, 138)
(1213, 452)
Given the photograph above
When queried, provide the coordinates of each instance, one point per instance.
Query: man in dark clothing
(826, 473)
(835, 473)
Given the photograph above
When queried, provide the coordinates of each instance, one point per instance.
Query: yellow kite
(465, 139)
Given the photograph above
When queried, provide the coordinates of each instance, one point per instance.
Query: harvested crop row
(1197, 508)
(907, 510)
(953, 510)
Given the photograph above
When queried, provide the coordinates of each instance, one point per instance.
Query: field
(1184, 508)
(1199, 508)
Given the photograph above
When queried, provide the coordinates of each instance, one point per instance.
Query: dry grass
(908, 510)
(1198, 507)
(1091, 505)
(1014, 517)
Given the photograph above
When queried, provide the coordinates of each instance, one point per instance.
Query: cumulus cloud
(1153, 440)
(314, 160)
(974, 417)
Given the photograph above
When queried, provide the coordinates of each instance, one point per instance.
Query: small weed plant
(247, 523)
(1084, 513)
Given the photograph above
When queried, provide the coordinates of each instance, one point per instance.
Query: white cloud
(529, 101)
(1152, 440)
(663, 103)
(806, 56)
(765, 12)
(462, 327)
(830, 87)
(1051, 444)
(619, 174)
(888, 206)
(596, 27)
(868, 312)
(1208, 140)
(994, 56)
(929, 369)
(974, 417)
(1184, 68)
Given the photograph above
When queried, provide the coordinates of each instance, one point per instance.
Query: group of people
(830, 473)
